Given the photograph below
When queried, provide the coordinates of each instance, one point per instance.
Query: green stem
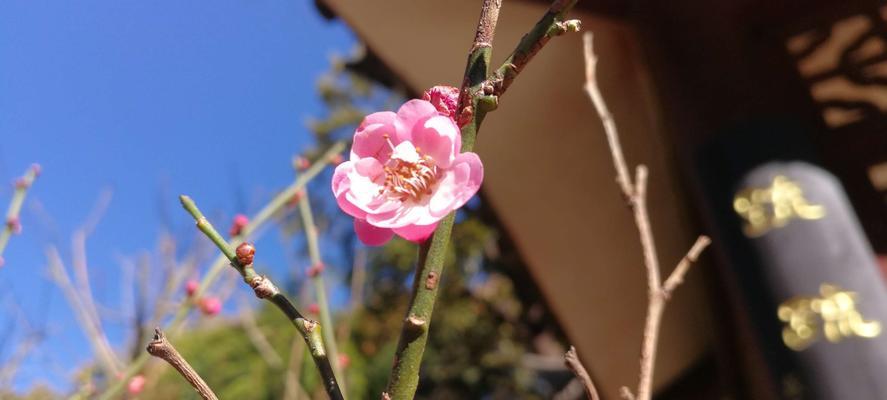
(480, 95)
(265, 289)
(550, 25)
(15, 206)
(329, 334)
(250, 231)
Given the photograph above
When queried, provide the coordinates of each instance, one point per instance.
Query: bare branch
(163, 349)
(594, 92)
(572, 361)
(636, 195)
(677, 276)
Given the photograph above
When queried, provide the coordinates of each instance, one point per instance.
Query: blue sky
(150, 99)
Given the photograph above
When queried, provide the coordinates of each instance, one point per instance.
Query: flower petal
(371, 235)
(416, 233)
(341, 186)
(369, 138)
(458, 185)
(409, 115)
(444, 196)
(438, 137)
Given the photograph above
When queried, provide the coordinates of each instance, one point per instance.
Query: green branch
(317, 266)
(11, 223)
(479, 95)
(242, 260)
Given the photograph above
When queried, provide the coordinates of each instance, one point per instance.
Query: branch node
(263, 287)
(309, 325)
(562, 27)
(415, 323)
(431, 280)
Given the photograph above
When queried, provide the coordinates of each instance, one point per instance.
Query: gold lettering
(773, 207)
(832, 315)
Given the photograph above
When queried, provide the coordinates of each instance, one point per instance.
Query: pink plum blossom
(406, 173)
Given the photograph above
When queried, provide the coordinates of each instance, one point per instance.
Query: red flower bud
(344, 361)
(210, 306)
(136, 384)
(315, 270)
(14, 225)
(313, 309)
(294, 201)
(444, 98)
(336, 159)
(301, 163)
(245, 253)
(240, 221)
(191, 287)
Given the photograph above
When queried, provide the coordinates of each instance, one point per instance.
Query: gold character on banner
(833, 314)
(773, 207)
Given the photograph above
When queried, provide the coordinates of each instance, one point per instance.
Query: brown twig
(636, 196)
(572, 361)
(163, 349)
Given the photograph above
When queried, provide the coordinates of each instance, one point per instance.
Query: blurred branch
(12, 224)
(479, 94)
(316, 274)
(258, 339)
(163, 349)
(241, 259)
(292, 389)
(79, 259)
(358, 281)
(91, 328)
(249, 232)
(635, 193)
(23, 349)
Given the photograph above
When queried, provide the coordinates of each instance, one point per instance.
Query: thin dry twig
(163, 349)
(572, 361)
(636, 196)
